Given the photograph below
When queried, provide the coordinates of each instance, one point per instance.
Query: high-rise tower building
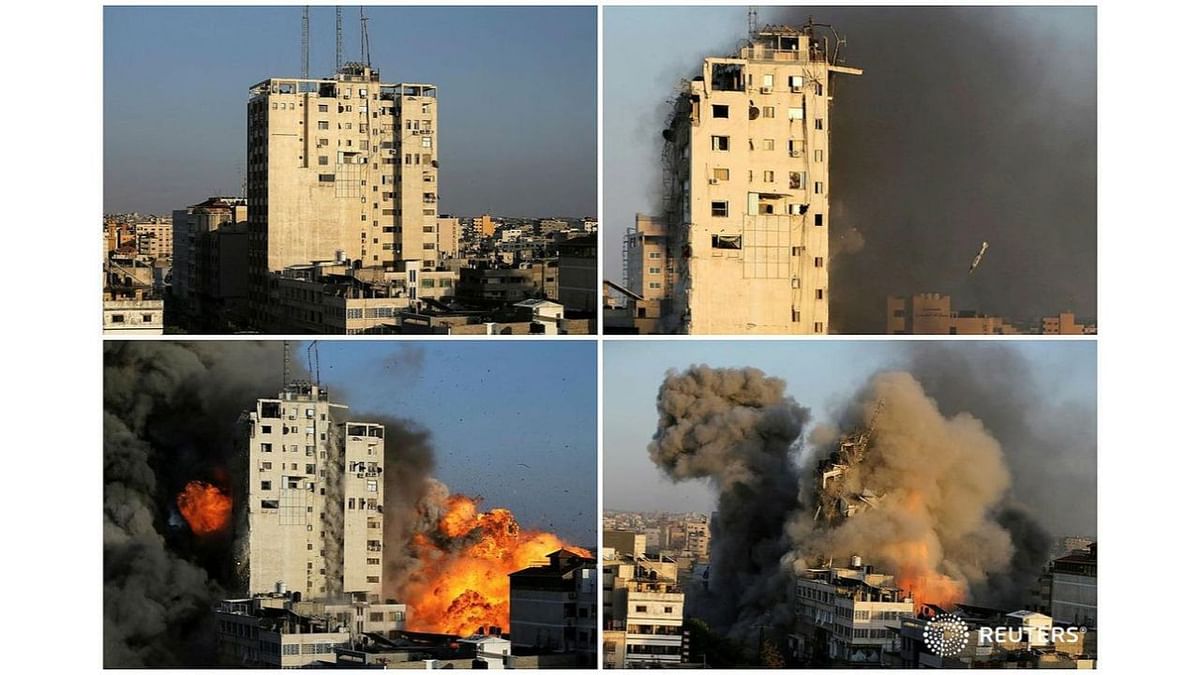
(314, 498)
(746, 191)
(339, 168)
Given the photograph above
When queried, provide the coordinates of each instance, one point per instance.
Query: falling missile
(978, 257)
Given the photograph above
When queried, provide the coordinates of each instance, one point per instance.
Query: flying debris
(978, 257)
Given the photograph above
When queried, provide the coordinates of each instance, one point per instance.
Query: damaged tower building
(741, 245)
(311, 535)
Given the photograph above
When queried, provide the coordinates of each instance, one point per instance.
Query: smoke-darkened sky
(1037, 398)
(969, 124)
(517, 94)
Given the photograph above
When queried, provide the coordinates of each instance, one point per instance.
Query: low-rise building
(847, 615)
(552, 608)
(643, 609)
(931, 314)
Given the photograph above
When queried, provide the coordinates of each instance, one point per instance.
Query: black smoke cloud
(737, 429)
(170, 416)
(968, 124)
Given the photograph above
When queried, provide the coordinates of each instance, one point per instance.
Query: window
(768, 81)
(818, 187)
(265, 447)
(322, 124)
(795, 113)
(727, 241)
(820, 218)
(720, 143)
(325, 177)
(639, 609)
(818, 262)
(426, 141)
(769, 112)
(147, 318)
(720, 174)
(818, 155)
(818, 89)
(265, 485)
(818, 124)
(769, 176)
(720, 209)
(118, 318)
(668, 609)
(721, 111)
(372, 486)
(797, 180)
(818, 327)
(322, 108)
(768, 144)
(323, 160)
(820, 293)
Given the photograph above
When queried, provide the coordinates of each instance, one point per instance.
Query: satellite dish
(753, 112)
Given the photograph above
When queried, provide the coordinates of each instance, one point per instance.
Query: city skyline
(503, 151)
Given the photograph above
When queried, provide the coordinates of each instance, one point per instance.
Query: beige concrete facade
(643, 602)
(306, 468)
(931, 314)
(746, 190)
(344, 164)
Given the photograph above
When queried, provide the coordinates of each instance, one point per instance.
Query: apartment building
(552, 607)
(314, 497)
(643, 610)
(746, 189)
(847, 615)
(339, 166)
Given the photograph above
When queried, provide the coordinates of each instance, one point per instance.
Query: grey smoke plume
(170, 416)
(948, 523)
(940, 482)
(737, 429)
(333, 517)
(1051, 447)
(969, 124)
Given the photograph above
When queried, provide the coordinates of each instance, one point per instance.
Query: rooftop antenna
(286, 370)
(337, 63)
(314, 355)
(364, 40)
(752, 20)
(304, 43)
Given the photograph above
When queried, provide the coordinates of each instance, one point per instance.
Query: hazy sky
(491, 406)
(517, 90)
(819, 375)
(968, 124)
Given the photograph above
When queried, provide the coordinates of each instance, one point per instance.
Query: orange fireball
(463, 590)
(206, 509)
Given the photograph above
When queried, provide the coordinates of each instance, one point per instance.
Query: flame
(462, 586)
(918, 563)
(205, 508)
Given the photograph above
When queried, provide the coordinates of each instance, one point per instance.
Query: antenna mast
(337, 63)
(286, 372)
(364, 40)
(752, 20)
(304, 43)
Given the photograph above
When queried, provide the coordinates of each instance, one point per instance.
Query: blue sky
(491, 406)
(819, 375)
(517, 88)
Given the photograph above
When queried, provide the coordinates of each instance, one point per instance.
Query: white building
(643, 611)
(307, 468)
(746, 192)
(849, 613)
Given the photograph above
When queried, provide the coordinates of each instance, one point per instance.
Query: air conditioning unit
(796, 88)
(795, 153)
(713, 181)
(765, 90)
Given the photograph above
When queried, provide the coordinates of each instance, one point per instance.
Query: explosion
(461, 585)
(918, 493)
(205, 508)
